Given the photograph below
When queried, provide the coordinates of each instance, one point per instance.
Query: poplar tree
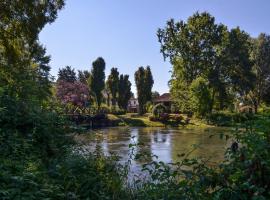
(113, 85)
(144, 83)
(97, 79)
(124, 91)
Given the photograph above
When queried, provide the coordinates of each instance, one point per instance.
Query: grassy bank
(131, 119)
(224, 118)
(134, 120)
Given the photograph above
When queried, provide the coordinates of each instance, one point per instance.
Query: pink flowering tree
(75, 93)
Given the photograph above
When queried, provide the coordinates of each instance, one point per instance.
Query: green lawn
(133, 119)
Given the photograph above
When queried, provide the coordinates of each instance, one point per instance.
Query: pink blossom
(76, 93)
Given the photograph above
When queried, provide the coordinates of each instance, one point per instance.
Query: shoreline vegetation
(223, 119)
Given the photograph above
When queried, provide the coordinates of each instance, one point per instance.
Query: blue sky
(123, 32)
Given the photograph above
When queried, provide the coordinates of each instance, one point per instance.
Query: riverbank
(135, 120)
(220, 119)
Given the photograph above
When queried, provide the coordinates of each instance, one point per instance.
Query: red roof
(166, 97)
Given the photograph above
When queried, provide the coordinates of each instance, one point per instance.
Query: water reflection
(167, 144)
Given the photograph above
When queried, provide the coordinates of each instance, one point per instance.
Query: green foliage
(223, 118)
(139, 80)
(24, 69)
(113, 85)
(149, 106)
(201, 48)
(117, 111)
(155, 95)
(67, 74)
(261, 57)
(180, 94)
(83, 76)
(240, 64)
(158, 110)
(97, 79)
(200, 97)
(124, 91)
(144, 83)
(149, 82)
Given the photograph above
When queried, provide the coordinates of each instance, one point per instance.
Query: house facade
(133, 105)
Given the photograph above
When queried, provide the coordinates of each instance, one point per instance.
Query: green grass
(140, 121)
(132, 119)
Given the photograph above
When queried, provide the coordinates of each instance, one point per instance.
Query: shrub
(177, 118)
(158, 109)
(118, 112)
(228, 119)
(104, 109)
(153, 118)
(149, 106)
(99, 116)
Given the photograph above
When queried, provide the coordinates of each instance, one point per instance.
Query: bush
(149, 106)
(104, 109)
(177, 118)
(159, 109)
(118, 112)
(164, 117)
(161, 118)
(153, 118)
(100, 116)
(228, 118)
(39, 160)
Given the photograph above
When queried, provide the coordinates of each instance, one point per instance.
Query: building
(133, 105)
(165, 99)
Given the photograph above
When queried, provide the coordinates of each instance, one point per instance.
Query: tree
(200, 96)
(149, 82)
(113, 85)
(107, 95)
(261, 57)
(24, 69)
(202, 48)
(97, 79)
(76, 93)
(195, 49)
(67, 74)
(140, 84)
(124, 91)
(155, 95)
(144, 83)
(83, 76)
(239, 71)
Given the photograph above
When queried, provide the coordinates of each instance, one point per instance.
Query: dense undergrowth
(38, 160)
(225, 118)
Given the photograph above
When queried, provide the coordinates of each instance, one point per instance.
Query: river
(166, 143)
